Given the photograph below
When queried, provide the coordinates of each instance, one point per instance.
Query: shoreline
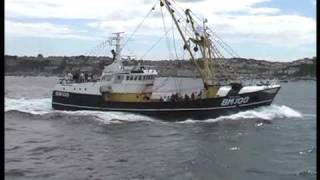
(191, 77)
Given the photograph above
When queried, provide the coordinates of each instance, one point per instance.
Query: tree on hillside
(40, 56)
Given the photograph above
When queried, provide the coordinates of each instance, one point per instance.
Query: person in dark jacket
(113, 55)
(86, 76)
(193, 97)
(76, 77)
(186, 97)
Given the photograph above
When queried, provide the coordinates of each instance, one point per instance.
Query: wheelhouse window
(107, 78)
(119, 78)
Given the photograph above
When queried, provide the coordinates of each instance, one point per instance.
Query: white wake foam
(264, 113)
(33, 106)
(111, 116)
(43, 106)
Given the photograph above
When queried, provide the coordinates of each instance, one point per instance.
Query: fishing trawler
(130, 88)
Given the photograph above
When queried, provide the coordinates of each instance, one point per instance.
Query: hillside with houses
(246, 68)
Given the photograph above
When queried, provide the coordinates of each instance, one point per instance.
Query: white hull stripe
(180, 109)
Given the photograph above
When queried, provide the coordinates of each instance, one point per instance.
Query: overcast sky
(277, 30)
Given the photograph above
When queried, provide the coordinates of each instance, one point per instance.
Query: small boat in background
(284, 81)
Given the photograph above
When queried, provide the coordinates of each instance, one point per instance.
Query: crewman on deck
(66, 77)
(70, 76)
(199, 95)
(173, 98)
(86, 76)
(193, 97)
(168, 98)
(81, 77)
(186, 97)
(76, 77)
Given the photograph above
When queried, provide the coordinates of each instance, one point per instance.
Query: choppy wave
(43, 106)
(307, 173)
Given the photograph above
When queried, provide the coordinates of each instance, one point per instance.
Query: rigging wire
(224, 48)
(185, 32)
(154, 45)
(174, 41)
(139, 25)
(229, 70)
(167, 39)
(218, 39)
(103, 44)
(158, 41)
(161, 85)
(188, 32)
(97, 48)
(176, 84)
(197, 24)
(223, 43)
(182, 18)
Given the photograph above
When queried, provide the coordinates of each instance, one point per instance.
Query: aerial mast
(117, 44)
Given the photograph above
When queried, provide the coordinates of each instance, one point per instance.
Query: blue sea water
(274, 142)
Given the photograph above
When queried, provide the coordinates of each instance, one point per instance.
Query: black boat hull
(197, 109)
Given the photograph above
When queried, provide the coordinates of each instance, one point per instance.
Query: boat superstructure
(117, 82)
